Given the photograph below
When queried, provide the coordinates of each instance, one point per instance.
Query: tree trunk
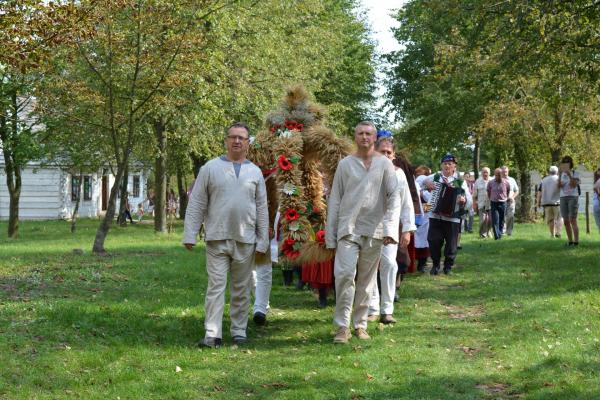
(476, 157)
(121, 219)
(160, 177)
(182, 190)
(8, 135)
(198, 162)
(110, 211)
(522, 161)
(77, 202)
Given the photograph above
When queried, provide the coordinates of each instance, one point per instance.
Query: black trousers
(440, 233)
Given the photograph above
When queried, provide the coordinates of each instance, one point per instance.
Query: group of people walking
(384, 218)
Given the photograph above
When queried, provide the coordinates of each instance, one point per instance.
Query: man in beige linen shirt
(230, 199)
(364, 195)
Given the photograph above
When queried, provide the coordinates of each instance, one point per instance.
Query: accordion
(444, 200)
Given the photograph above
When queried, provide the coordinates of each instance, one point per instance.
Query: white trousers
(355, 267)
(262, 279)
(388, 267)
(223, 256)
(509, 218)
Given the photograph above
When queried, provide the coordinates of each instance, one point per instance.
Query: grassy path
(519, 319)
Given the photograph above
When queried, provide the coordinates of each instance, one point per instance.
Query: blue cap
(449, 157)
(382, 133)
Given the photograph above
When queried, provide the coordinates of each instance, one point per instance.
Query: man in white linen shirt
(388, 267)
(364, 193)
(229, 197)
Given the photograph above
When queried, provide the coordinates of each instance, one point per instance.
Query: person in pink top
(498, 190)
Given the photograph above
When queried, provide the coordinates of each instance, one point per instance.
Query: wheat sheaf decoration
(298, 155)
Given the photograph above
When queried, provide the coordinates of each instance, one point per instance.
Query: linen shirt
(549, 191)
(514, 188)
(480, 193)
(361, 199)
(498, 191)
(407, 208)
(230, 207)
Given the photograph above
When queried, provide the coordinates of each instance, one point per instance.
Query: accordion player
(444, 199)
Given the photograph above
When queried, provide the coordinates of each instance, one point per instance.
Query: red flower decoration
(284, 163)
(317, 210)
(268, 171)
(289, 242)
(291, 214)
(320, 236)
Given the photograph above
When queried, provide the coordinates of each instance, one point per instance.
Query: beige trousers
(223, 256)
(355, 268)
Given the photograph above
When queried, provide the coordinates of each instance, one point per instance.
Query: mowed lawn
(519, 319)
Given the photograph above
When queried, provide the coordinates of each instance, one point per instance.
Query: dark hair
(596, 175)
(401, 161)
(238, 125)
(567, 159)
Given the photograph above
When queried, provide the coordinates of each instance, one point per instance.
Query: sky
(379, 16)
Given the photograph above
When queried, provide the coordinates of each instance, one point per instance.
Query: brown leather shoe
(362, 334)
(342, 336)
(387, 319)
(372, 318)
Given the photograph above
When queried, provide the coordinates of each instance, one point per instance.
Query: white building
(47, 192)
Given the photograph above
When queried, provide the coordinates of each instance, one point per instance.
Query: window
(136, 186)
(75, 184)
(87, 187)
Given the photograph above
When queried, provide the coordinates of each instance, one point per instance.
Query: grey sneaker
(362, 334)
(342, 336)
(210, 342)
(240, 340)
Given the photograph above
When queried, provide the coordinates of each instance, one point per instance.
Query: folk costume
(445, 216)
(231, 201)
(388, 267)
(421, 243)
(361, 198)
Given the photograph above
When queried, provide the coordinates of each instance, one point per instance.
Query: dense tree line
(514, 81)
(155, 81)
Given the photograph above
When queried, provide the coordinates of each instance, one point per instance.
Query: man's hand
(388, 240)
(462, 199)
(189, 246)
(475, 209)
(404, 239)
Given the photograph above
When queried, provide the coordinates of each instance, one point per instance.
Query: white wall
(40, 194)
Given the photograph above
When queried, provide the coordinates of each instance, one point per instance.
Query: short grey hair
(388, 139)
(366, 123)
(484, 169)
(553, 170)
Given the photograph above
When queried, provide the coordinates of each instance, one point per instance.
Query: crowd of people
(385, 219)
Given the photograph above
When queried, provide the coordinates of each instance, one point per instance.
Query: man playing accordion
(450, 199)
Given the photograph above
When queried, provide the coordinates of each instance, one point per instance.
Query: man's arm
(262, 216)
(333, 208)
(407, 210)
(196, 209)
(391, 217)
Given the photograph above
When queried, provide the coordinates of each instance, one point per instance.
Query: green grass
(520, 318)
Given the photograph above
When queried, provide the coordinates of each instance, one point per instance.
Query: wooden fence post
(587, 212)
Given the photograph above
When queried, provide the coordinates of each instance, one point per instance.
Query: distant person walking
(569, 199)
(511, 203)
(498, 190)
(596, 197)
(549, 199)
(481, 202)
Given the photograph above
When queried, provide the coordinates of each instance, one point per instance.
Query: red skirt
(318, 275)
(406, 257)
